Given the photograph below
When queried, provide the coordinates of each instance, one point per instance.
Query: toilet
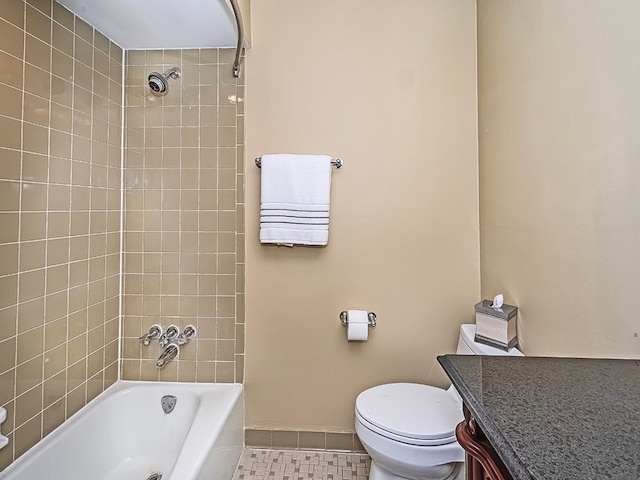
(408, 429)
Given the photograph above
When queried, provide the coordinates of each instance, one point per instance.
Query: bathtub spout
(169, 353)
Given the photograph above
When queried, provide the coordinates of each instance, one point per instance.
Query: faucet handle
(154, 332)
(171, 333)
(187, 334)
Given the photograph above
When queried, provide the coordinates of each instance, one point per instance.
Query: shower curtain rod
(240, 46)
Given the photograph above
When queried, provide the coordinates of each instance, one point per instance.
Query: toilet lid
(412, 411)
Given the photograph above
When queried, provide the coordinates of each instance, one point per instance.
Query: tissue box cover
(496, 327)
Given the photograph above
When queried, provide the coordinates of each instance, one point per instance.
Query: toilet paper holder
(344, 318)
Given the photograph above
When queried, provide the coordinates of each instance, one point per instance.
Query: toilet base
(453, 471)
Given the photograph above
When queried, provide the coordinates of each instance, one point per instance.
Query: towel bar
(336, 162)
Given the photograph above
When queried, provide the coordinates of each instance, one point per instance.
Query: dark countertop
(555, 418)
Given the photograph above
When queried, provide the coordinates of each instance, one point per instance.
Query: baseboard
(303, 440)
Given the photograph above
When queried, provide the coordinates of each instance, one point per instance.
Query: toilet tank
(468, 346)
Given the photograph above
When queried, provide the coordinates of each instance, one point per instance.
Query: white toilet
(408, 429)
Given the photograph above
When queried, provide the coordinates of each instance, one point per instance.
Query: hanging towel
(295, 193)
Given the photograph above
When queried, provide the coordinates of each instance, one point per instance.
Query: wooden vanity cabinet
(482, 461)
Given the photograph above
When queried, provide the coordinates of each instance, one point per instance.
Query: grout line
(122, 194)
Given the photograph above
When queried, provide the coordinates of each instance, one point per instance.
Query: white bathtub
(125, 434)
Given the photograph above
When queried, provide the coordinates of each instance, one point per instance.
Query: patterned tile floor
(258, 464)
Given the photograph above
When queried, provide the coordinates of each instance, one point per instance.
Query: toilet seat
(410, 413)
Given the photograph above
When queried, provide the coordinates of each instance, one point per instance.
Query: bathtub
(124, 433)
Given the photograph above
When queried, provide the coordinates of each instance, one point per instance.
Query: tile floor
(260, 464)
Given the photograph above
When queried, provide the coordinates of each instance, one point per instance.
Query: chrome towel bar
(336, 162)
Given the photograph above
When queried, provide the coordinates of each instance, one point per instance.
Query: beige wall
(184, 215)
(245, 11)
(60, 131)
(390, 88)
(559, 170)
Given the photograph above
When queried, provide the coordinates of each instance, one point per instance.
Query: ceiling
(160, 24)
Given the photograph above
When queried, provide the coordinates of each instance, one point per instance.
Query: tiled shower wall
(60, 154)
(184, 214)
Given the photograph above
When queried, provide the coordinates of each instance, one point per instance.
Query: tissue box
(496, 327)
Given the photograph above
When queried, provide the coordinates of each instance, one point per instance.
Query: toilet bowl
(408, 429)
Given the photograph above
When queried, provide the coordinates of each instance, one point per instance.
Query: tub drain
(155, 476)
(168, 403)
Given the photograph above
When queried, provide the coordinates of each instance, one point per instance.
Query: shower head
(159, 82)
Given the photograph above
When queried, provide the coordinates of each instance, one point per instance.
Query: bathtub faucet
(169, 353)
(171, 334)
(154, 332)
(188, 333)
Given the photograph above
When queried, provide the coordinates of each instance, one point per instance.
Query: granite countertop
(555, 418)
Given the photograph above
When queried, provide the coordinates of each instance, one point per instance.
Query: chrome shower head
(159, 82)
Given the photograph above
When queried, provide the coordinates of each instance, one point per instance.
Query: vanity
(542, 418)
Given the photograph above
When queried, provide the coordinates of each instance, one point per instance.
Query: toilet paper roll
(358, 325)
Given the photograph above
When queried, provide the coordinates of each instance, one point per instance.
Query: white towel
(295, 192)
